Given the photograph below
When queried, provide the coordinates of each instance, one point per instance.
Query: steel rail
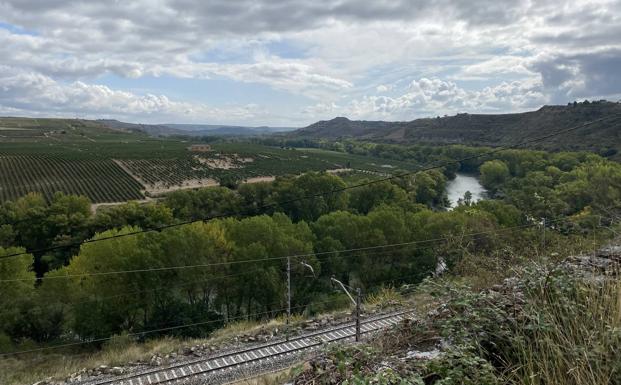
(237, 358)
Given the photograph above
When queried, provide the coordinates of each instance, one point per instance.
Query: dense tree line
(271, 221)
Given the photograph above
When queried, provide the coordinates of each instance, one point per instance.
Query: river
(457, 187)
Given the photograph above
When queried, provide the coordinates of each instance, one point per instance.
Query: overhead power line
(142, 333)
(183, 326)
(228, 263)
(249, 212)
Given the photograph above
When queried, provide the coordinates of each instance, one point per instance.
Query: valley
(119, 244)
(334, 192)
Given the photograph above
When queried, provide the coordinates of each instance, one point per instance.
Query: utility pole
(289, 291)
(288, 296)
(543, 236)
(356, 302)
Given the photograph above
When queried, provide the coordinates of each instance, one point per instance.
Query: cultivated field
(83, 157)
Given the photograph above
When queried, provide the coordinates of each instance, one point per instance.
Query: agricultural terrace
(106, 165)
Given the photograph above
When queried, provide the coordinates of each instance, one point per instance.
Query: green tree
(493, 174)
(117, 302)
(364, 199)
(39, 225)
(15, 294)
(203, 203)
(429, 187)
(145, 216)
(309, 196)
(260, 286)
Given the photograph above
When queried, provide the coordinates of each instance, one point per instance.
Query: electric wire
(142, 333)
(248, 212)
(319, 258)
(228, 263)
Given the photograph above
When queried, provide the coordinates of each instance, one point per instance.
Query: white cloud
(384, 87)
(498, 65)
(428, 97)
(41, 95)
(491, 55)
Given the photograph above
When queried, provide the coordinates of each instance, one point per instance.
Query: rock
(419, 355)
(155, 361)
(104, 369)
(311, 326)
(611, 252)
(117, 370)
(173, 355)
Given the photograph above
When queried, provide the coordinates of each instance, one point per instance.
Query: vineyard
(237, 162)
(83, 157)
(99, 180)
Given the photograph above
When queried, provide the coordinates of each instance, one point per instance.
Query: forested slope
(491, 130)
(56, 290)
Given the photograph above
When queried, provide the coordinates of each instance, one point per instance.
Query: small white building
(199, 148)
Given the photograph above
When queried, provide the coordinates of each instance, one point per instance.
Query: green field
(106, 165)
(99, 179)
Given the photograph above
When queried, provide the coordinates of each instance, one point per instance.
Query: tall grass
(573, 336)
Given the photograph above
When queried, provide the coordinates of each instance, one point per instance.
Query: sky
(293, 62)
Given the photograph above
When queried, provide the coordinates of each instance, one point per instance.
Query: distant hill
(192, 129)
(151, 129)
(220, 130)
(489, 130)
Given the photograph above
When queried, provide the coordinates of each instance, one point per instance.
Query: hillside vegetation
(490, 130)
(281, 218)
(550, 323)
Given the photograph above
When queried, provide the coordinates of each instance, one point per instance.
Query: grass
(36, 367)
(30, 368)
(578, 341)
(383, 297)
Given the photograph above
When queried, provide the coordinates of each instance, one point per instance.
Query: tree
(203, 203)
(364, 199)
(145, 216)
(17, 293)
(429, 187)
(255, 196)
(309, 196)
(268, 240)
(38, 225)
(493, 174)
(466, 200)
(116, 302)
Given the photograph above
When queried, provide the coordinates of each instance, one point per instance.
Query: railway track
(208, 366)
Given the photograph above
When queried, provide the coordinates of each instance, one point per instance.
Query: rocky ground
(603, 264)
(429, 350)
(210, 348)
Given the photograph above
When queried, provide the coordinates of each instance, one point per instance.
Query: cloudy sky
(292, 62)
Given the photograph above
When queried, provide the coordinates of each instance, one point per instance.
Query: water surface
(457, 187)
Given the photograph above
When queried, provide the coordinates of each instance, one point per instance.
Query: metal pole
(288, 295)
(543, 237)
(357, 303)
(358, 300)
